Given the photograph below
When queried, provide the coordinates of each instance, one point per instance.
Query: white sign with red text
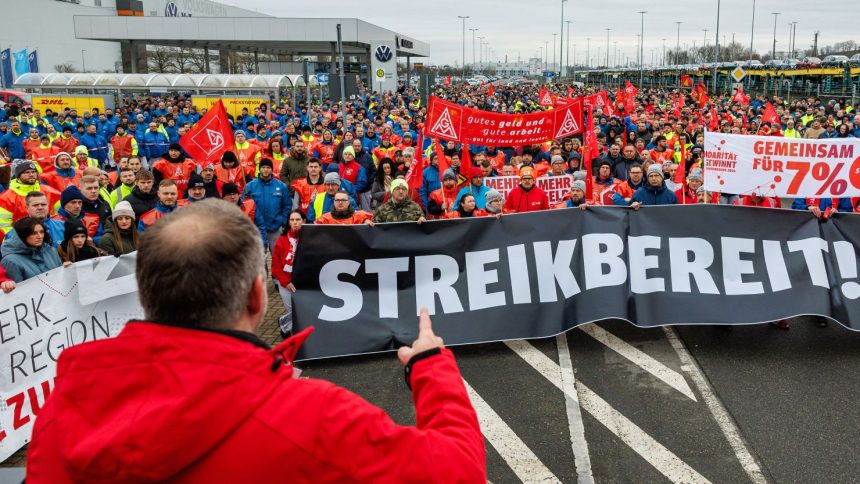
(782, 167)
(556, 187)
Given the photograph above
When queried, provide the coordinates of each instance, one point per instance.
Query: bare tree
(65, 67)
(196, 61)
(161, 59)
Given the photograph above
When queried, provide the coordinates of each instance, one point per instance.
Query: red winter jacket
(165, 403)
(521, 201)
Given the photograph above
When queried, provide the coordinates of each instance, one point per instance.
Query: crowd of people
(83, 185)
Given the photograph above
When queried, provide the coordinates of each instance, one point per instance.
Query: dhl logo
(49, 102)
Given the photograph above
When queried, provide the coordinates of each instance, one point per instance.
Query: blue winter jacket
(273, 203)
(649, 195)
(155, 144)
(14, 144)
(430, 181)
(23, 262)
(480, 194)
(97, 146)
(824, 204)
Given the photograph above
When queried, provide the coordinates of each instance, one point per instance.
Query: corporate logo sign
(383, 53)
(171, 10)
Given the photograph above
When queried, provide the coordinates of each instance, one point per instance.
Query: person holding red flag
(210, 137)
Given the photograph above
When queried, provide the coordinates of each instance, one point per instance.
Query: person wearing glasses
(343, 213)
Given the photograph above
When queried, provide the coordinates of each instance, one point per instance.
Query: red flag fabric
(416, 169)
(440, 157)
(630, 89)
(770, 114)
(745, 122)
(588, 154)
(483, 83)
(491, 91)
(686, 81)
(466, 163)
(681, 174)
(715, 120)
(740, 97)
(545, 98)
(447, 81)
(569, 91)
(210, 137)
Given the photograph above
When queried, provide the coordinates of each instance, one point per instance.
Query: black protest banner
(539, 274)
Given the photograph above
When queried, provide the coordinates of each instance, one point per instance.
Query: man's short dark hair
(32, 195)
(177, 260)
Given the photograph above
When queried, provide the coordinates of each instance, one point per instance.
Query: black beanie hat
(72, 228)
(229, 189)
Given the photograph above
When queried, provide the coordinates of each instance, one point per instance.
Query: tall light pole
(481, 50)
(561, 42)
(641, 47)
(588, 53)
(464, 17)
(775, 16)
(567, 47)
(473, 47)
(83, 61)
(717, 58)
(542, 59)
(546, 56)
(752, 34)
(607, 47)
(793, 39)
(705, 37)
(553, 52)
(663, 62)
(678, 43)
(614, 53)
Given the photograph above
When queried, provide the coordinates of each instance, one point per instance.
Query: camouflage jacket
(405, 211)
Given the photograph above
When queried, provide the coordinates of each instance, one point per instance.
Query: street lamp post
(663, 59)
(607, 47)
(473, 47)
(561, 41)
(567, 47)
(793, 40)
(752, 34)
(464, 17)
(717, 58)
(641, 47)
(588, 52)
(775, 16)
(553, 52)
(83, 61)
(481, 51)
(546, 56)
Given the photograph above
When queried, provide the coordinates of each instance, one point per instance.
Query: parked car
(774, 64)
(810, 62)
(20, 98)
(755, 64)
(834, 61)
(855, 60)
(790, 64)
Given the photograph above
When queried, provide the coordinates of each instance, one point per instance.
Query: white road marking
(721, 415)
(581, 459)
(641, 359)
(643, 444)
(525, 464)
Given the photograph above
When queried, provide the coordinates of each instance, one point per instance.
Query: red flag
(491, 91)
(483, 84)
(440, 157)
(630, 89)
(545, 98)
(715, 120)
(740, 97)
(681, 174)
(686, 81)
(589, 152)
(569, 91)
(447, 81)
(210, 137)
(745, 122)
(466, 163)
(416, 169)
(679, 101)
(770, 114)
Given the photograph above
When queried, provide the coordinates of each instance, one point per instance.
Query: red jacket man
(526, 197)
(197, 397)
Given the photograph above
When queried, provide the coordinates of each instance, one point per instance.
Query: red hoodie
(165, 403)
(520, 200)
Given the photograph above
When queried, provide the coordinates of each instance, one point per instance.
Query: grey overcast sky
(520, 28)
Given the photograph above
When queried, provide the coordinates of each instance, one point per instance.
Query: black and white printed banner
(539, 274)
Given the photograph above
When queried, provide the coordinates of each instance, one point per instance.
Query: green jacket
(405, 211)
(108, 243)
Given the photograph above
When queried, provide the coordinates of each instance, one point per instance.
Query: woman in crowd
(467, 209)
(283, 256)
(122, 236)
(382, 183)
(276, 153)
(29, 254)
(77, 245)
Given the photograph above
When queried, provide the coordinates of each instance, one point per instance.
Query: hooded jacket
(161, 403)
(650, 195)
(23, 262)
(141, 202)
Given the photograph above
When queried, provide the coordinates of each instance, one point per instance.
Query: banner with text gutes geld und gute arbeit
(782, 167)
(454, 122)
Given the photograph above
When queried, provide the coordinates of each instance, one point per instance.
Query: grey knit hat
(493, 195)
(332, 177)
(578, 185)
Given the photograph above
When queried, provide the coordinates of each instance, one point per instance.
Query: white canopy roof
(166, 81)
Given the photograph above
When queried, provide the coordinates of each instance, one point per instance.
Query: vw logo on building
(171, 10)
(383, 53)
